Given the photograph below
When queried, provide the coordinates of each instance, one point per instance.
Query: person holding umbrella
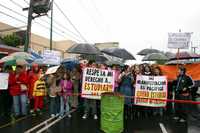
(183, 87)
(90, 103)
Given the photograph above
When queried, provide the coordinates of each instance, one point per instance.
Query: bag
(23, 87)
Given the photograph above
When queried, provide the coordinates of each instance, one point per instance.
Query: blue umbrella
(70, 63)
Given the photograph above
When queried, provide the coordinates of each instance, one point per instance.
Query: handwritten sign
(97, 81)
(151, 91)
(4, 81)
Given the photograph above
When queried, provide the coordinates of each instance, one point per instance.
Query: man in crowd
(183, 87)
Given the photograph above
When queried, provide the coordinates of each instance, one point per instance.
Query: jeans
(182, 109)
(90, 103)
(54, 105)
(20, 104)
(64, 104)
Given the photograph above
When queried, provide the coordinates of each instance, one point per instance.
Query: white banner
(52, 57)
(149, 89)
(96, 81)
(4, 81)
(179, 40)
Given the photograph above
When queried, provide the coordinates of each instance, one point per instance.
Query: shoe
(52, 115)
(69, 116)
(95, 117)
(60, 117)
(84, 116)
(175, 118)
(31, 111)
(57, 115)
(33, 114)
(182, 120)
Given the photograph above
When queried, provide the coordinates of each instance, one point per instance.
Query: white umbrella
(52, 70)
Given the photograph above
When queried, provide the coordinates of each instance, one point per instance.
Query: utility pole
(28, 30)
(51, 30)
(38, 7)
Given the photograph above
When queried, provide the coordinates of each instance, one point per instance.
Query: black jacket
(183, 81)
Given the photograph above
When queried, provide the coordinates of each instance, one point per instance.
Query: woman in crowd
(66, 94)
(147, 70)
(117, 73)
(76, 77)
(157, 72)
(126, 88)
(54, 90)
(137, 110)
(90, 103)
(18, 85)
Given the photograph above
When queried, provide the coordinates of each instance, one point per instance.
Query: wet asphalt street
(77, 125)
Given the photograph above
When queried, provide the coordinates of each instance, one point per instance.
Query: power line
(34, 21)
(74, 36)
(13, 17)
(16, 4)
(26, 2)
(70, 22)
(92, 17)
(59, 24)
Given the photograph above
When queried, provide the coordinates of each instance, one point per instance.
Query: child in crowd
(54, 90)
(66, 97)
(39, 91)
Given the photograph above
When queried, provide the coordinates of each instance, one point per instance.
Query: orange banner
(171, 71)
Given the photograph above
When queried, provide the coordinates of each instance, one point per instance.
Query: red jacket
(32, 78)
(14, 87)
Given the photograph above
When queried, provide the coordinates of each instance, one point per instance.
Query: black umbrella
(96, 58)
(185, 55)
(155, 57)
(84, 48)
(148, 51)
(170, 55)
(119, 52)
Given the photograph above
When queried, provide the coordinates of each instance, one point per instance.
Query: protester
(33, 76)
(117, 73)
(39, 91)
(54, 90)
(90, 103)
(5, 97)
(126, 88)
(76, 77)
(184, 83)
(147, 70)
(157, 72)
(66, 95)
(18, 85)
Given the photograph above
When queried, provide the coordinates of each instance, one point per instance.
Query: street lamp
(38, 7)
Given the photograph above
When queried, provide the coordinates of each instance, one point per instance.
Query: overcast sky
(135, 24)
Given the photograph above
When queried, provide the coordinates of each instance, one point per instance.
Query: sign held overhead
(179, 40)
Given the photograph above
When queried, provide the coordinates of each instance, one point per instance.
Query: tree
(11, 40)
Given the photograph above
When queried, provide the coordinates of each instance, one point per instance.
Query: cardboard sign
(150, 89)
(179, 40)
(96, 81)
(4, 81)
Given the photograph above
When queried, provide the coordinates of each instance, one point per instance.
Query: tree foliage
(11, 40)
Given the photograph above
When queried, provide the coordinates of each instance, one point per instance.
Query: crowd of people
(30, 91)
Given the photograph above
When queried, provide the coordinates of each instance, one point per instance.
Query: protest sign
(96, 81)
(51, 57)
(4, 81)
(150, 89)
(179, 40)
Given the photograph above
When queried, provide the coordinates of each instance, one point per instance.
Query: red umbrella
(185, 55)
